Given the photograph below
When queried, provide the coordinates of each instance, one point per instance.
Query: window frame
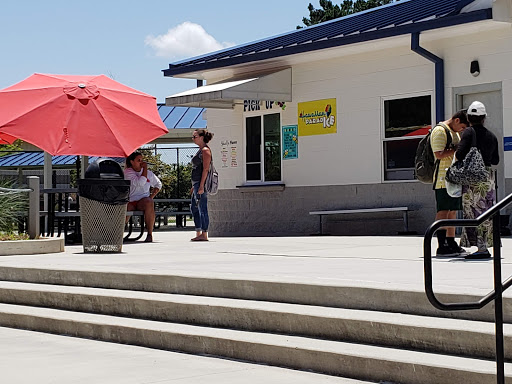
(262, 180)
(384, 140)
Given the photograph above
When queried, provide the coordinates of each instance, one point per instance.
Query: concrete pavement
(30, 357)
(385, 262)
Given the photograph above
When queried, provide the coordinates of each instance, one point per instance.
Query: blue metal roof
(36, 159)
(399, 18)
(182, 117)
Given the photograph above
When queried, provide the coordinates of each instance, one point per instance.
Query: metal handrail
(496, 295)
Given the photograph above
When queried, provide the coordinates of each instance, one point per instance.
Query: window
(406, 121)
(263, 147)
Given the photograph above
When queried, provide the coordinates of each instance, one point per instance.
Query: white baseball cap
(477, 109)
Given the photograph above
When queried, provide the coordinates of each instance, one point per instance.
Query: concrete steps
(331, 357)
(438, 335)
(353, 297)
(282, 324)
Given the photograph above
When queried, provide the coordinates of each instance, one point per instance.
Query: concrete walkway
(387, 262)
(31, 357)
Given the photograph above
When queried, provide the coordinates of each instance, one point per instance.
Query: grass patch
(13, 236)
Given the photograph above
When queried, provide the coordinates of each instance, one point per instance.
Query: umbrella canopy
(6, 139)
(79, 115)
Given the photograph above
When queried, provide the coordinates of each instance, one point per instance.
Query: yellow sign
(317, 117)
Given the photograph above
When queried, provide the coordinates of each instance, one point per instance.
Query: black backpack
(425, 163)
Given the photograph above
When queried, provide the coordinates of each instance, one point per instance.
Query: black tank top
(197, 167)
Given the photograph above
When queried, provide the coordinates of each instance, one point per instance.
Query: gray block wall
(253, 212)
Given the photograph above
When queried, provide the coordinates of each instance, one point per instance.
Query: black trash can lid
(104, 168)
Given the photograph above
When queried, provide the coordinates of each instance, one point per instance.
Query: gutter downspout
(439, 73)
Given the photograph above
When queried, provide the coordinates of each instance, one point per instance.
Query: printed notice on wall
(224, 153)
(233, 144)
(290, 142)
(317, 117)
(229, 153)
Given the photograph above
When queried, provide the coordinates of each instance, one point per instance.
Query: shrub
(11, 205)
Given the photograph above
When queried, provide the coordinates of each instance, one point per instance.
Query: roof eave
(484, 14)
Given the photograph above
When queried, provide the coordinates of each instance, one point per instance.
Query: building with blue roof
(329, 116)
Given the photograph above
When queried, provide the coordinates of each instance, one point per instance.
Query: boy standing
(446, 205)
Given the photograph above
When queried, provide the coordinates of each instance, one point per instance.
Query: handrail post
(498, 301)
(496, 295)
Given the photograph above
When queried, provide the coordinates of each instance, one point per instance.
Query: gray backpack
(211, 184)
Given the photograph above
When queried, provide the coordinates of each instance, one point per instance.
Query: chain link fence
(172, 165)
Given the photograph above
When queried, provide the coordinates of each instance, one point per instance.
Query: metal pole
(498, 301)
(77, 167)
(178, 173)
(47, 184)
(179, 219)
(33, 207)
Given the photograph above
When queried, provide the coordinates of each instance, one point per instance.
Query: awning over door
(274, 87)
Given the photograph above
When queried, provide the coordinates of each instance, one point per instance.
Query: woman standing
(479, 197)
(200, 166)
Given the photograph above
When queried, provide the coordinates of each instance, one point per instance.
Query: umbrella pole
(77, 165)
(47, 185)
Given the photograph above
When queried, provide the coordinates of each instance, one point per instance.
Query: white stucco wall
(359, 83)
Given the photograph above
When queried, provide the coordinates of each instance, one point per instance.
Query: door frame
(457, 103)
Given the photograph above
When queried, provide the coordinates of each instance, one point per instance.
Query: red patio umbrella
(79, 115)
(6, 139)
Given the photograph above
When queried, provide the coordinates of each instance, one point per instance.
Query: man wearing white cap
(481, 196)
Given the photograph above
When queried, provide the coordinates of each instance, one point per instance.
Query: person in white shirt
(143, 188)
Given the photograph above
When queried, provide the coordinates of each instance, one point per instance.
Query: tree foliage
(6, 149)
(169, 175)
(330, 11)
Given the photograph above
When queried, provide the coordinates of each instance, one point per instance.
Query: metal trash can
(103, 195)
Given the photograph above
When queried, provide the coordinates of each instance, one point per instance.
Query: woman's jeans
(199, 208)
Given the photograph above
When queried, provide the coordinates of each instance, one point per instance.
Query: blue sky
(131, 41)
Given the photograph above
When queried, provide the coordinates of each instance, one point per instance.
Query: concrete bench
(404, 210)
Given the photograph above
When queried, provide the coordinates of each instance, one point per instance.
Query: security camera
(474, 68)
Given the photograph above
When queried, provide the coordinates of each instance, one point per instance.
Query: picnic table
(64, 214)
